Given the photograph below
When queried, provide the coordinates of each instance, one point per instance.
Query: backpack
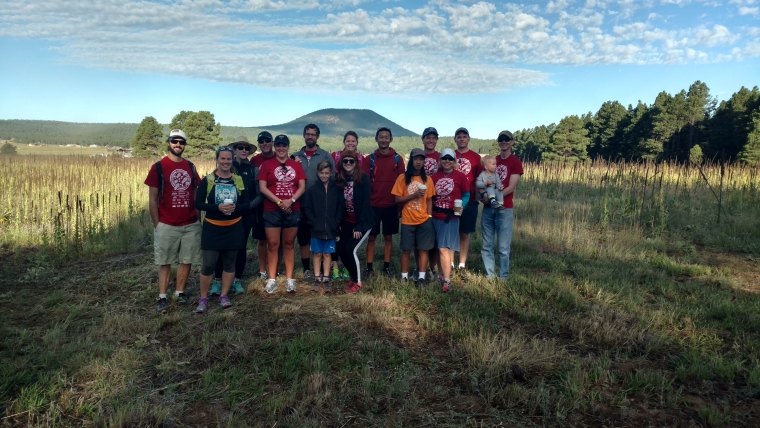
(396, 161)
(160, 173)
(239, 185)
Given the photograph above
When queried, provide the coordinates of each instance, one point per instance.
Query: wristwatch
(293, 200)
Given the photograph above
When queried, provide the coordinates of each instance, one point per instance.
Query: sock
(162, 295)
(386, 265)
(422, 275)
(369, 266)
(404, 275)
(306, 264)
(177, 293)
(461, 265)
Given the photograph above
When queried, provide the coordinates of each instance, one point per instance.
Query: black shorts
(469, 217)
(281, 219)
(388, 216)
(304, 231)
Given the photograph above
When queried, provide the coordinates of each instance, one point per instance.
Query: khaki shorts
(177, 244)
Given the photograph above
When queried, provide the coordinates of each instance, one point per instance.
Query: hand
(357, 235)
(458, 210)
(420, 193)
(227, 208)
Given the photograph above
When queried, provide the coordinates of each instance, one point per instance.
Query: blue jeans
(496, 224)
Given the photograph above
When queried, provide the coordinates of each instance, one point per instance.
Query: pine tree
(569, 141)
(149, 138)
(202, 130)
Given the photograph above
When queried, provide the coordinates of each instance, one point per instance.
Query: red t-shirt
(259, 159)
(282, 180)
(176, 206)
(432, 162)
(469, 164)
(348, 194)
(506, 168)
(448, 187)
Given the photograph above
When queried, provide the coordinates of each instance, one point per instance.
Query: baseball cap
(416, 152)
(429, 130)
(281, 140)
(462, 129)
(177, 133)
(506, 134)
(448, 152)
(264, 135)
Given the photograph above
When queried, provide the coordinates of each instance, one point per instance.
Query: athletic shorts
(177, 244)
(322, 246)
(281, 219)
(388, 216)
(469, 218)
(417, 237)
(447, 233)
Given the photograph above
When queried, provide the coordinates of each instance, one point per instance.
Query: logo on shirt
(180, 180)
(444, 186)
(285, 173)
(464, 165)
(501, 170)
(348, 194)
(431, 166)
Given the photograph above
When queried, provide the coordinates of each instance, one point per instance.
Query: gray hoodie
(310, 165)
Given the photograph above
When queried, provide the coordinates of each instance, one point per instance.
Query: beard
(177, 151)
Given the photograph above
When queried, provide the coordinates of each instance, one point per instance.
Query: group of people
(330, 203)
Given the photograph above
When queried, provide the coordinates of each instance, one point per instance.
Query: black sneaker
(162, 304)
(388, 271)
(181, 299)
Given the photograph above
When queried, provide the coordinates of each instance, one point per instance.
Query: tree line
(688, 126)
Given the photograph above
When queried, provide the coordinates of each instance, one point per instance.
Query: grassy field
(628, 305)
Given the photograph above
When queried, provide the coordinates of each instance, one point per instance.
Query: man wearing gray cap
(172, 183)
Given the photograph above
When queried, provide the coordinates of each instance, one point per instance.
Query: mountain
(336, 121)
(331, 122)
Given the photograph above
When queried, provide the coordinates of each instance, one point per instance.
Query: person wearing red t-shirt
(282, 181)
(468, 163)
(265, 145)
(450, 185)
(172, 183)
(350, 144)
(496, 223)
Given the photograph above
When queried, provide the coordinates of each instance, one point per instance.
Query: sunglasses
(447, 158)
(504, 139)
(265, 141)
(223, 149)
(348, 161)
(242, 148)
(179, 141)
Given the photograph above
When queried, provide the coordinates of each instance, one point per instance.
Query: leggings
(240, 258)
(209, 259)
(345, 248)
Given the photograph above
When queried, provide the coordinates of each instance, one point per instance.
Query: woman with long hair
(282, 181)
(359, 216)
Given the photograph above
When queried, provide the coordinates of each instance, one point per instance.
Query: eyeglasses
(179, 141)
(241, 147)
(447, 158)
(348, 161)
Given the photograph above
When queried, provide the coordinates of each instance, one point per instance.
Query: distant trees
(149, 139)
(8, 149)
(685, 127)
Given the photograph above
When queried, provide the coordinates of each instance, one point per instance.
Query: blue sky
(485, 65)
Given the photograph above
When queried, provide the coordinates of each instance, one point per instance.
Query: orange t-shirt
(415, 211)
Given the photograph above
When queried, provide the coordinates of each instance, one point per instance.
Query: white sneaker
(291, 285)
(271, 286)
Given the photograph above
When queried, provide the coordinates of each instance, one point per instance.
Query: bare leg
(317, 265)
(273, 248)
(445, 257)
(163, 278)
(371, 249)
(288, 250)
(388, 249)
(405, 261)
(422, 261)
(464, 247)
(327, 258)
(183, 271)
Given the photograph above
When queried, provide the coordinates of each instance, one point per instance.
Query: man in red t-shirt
(172, 183)
(267, 152)
(468, 163)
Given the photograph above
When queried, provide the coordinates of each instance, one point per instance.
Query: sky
(485, 65)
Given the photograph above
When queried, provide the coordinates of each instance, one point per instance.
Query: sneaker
(316, 284)
(419, 282)
(335, 273)
(326, 287)
(291, 286)
(263, 276)
(388, 271)
(224, 302)
(216, 288)
(344, 273)
(495, 203)
(202, 305)
(180, 299)
(271, 286)
(237, 287)
(446, 286)
(162, 304)
(308, 275)
(368, 272)
(353, 287)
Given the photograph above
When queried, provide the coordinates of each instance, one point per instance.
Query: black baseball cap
(281, 140)
(429, 130)
(264, 135)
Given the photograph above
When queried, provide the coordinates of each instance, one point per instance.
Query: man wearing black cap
(172, 183)
(496, 223)
(267, 153)
(468, 163)
(432, 157)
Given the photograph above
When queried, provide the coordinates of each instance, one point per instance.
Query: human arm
(514, 179)
(287, 203)
(153, 204)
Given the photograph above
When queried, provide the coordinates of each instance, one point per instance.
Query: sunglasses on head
(349, 161)
(223, 149)
(241, 147)
(179, 141)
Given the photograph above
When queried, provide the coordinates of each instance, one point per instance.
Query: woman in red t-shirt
(282, 181)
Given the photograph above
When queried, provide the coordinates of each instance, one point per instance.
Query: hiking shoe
(419, 282)
(353, 287)
(181, 298)
(216, 288)
(315, 284)
(388, 271)
(271, 286)
(308, 275)
(162, 304)
(326, 287)
(291, 286)
(202, 305)
(263, 276)
(335, 273)
(446, 286)
(344, 273)
(224, 302)
(237, 287)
